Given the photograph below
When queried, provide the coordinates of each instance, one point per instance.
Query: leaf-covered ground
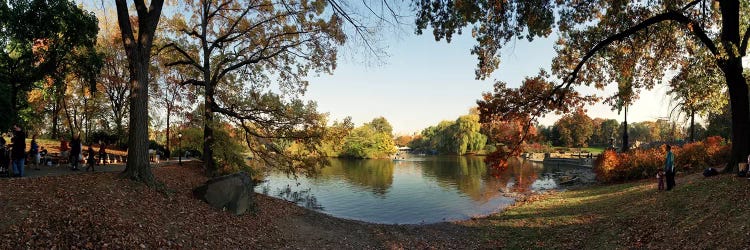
(100, 210)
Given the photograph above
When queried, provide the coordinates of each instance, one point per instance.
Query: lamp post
(179, 147)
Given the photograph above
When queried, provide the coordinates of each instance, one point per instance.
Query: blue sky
(424, 82)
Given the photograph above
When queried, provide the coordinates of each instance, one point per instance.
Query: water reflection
(414, 190)
(373, 175)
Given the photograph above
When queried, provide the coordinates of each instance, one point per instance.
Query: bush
(643, 163)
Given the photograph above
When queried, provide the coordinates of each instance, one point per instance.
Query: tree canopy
(43, 40)
(250, 58)
(632, 43)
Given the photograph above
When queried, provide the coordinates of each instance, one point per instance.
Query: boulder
(232, 192)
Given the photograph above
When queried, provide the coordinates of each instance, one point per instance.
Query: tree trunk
(138, 167)
(169, 111)
(14, 103)
(692, 126)
(138, 51)
(740, 107)
(738, 90)
(625, 145)
(208, 132)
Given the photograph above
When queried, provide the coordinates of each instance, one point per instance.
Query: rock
(231, 192)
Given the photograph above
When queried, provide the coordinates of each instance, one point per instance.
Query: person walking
(18, 152)
(90, 160)
(669, 170)
(75, 152)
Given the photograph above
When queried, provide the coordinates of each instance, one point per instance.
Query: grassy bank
(699, 213)
(100, 210)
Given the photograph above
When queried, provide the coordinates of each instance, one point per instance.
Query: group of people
(13, 156)
(73, 152)
(669, 171)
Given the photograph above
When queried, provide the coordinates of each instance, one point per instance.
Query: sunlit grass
(699, 213)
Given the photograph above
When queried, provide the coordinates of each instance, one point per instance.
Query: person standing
(18, 152)
(4, 158)
(103, 153)
(669, 168)
(75, 152)
(34, 152)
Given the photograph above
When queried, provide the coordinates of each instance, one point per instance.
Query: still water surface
(412, 191)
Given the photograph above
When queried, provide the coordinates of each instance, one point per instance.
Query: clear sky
(424, 82)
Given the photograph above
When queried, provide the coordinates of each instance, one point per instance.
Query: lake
(416, 190)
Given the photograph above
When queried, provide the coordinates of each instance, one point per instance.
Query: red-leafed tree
(508, 115)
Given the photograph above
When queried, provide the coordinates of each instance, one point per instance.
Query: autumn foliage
(643, 163)
(508, 115)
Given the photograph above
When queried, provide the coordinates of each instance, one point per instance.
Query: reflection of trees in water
(466, 174)
(301, 197)
(375, 175)
(520, 173)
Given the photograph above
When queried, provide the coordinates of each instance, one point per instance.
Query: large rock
(231, 192)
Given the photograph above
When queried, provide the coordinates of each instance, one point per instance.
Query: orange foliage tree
(509, 115)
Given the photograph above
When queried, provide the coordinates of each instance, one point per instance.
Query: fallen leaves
(102, 211)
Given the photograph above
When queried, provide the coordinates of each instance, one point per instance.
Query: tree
(43, 40)
(575, 129)
(508, 118)
(403, 140)
(608, 129)
(719, 123)
(369, 142)
(113, 79)
(137, 43)
(169, 94)
(697, 89)
(235, 50)
(380, 124)
(588, 29)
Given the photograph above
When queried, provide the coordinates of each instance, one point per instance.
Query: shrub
(643, 163)
(605, 164)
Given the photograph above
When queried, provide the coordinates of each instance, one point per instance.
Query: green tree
(640, 131)
(380, 124)
(453, 137)
(697, 89)
(43, 40)
(661, 34)
(368, 143)
(719, 123)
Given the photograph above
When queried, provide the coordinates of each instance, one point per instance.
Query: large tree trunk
(138, 167)
(139, 53)
(740, 107)
(738, 90)
(208, 132)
